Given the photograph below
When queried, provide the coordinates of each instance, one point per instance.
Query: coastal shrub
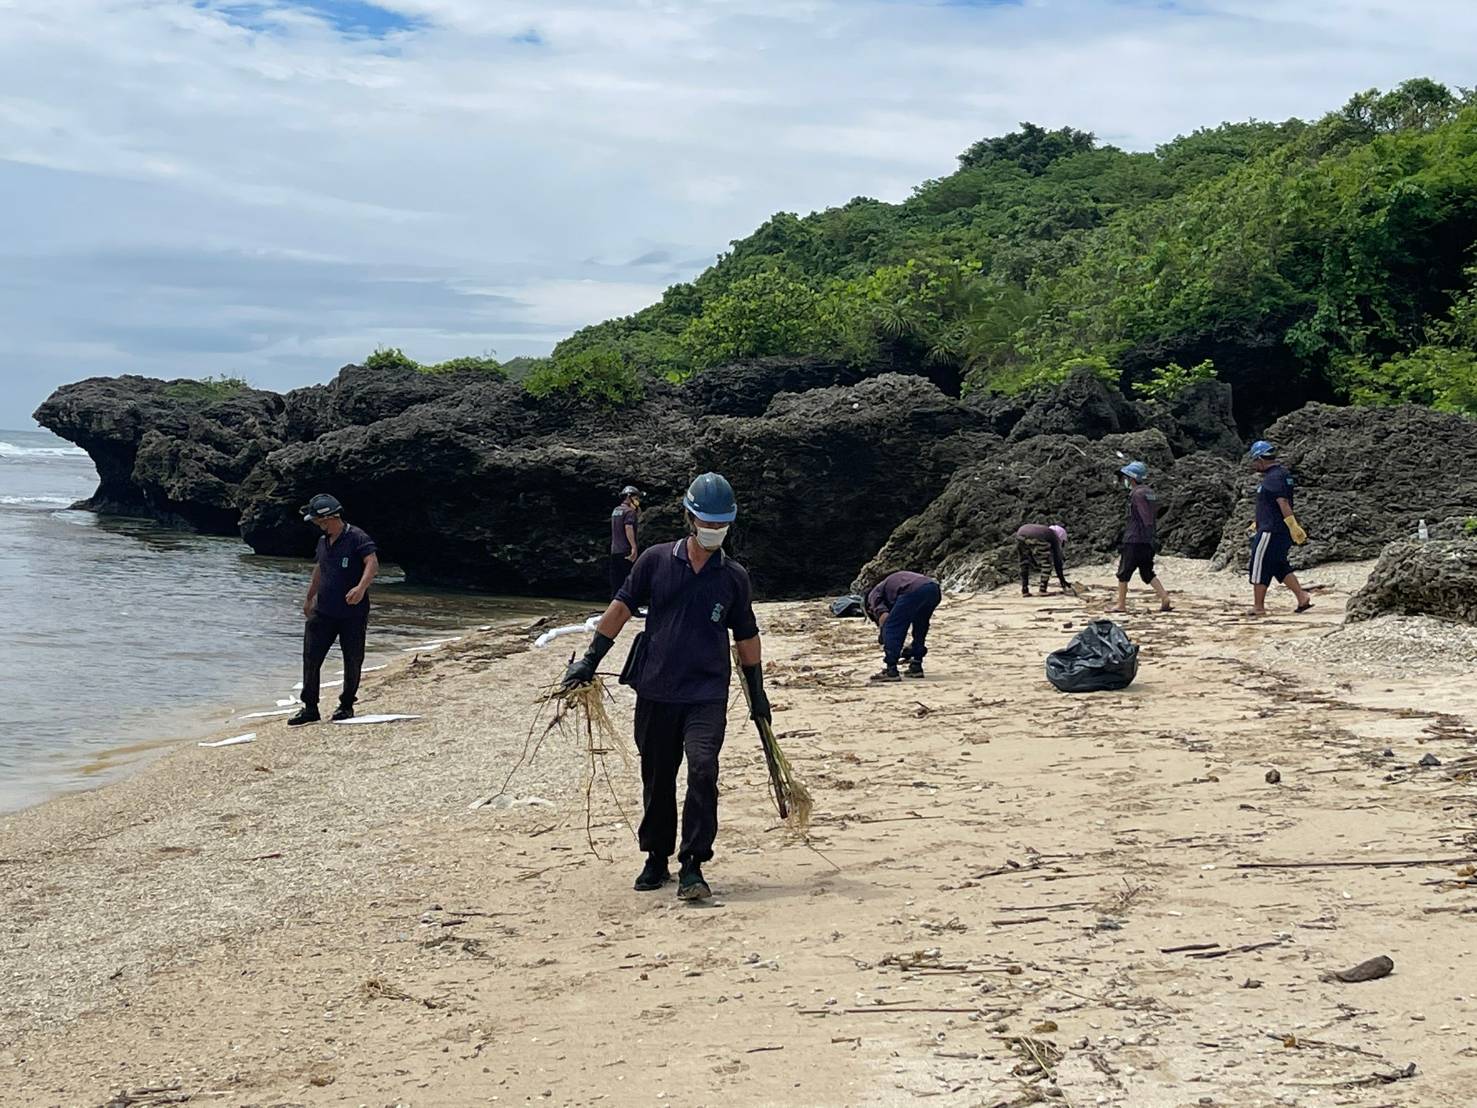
(597, 374)
(1168, 381)
(767, 313)
(208, 388)
(1031, 377)
(1437, 376)
(392, 357)
(1470, 527)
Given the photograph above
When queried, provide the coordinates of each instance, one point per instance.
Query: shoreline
(318, 917)
(148, 733)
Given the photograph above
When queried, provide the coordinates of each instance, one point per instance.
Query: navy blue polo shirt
(883, 598)
(620, 519)
(688, 622)
(340, 566)
(1276, 482)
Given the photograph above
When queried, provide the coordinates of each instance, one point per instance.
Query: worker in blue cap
(337, 604)
(1275, 530)
(1136, 554)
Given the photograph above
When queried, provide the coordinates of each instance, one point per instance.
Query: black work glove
(758, 701)
(582, 672)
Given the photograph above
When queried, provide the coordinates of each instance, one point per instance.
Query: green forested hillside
(1328, 259)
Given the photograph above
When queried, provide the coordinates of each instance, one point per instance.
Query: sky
(272, 188)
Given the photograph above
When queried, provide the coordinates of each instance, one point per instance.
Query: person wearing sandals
(901, 602)
(1136, 555)
(1274, 531)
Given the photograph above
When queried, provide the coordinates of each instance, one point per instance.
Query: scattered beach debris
(1370, 970)
(791, 798)
(570, 629)
(263, 715)
(172, 1093)
(361, 720)
(234, 740)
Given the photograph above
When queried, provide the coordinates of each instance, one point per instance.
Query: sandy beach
(1010, 896)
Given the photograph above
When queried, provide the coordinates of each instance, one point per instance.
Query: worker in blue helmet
(697, 598)
(1136, 554)
(1274, 531)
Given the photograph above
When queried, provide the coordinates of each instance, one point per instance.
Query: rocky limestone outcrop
(966, 536)
(826, 473)
(1413, 578)
(471, 481)
(746, 387)
(168, 450)
(475, 490)
(1365, 477)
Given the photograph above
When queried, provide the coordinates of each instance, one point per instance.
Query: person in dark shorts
(697, 597)
(901, 602)
(1136, 555)
(1274, 531)
(337, 605)
(1032, 539)
(624, 521)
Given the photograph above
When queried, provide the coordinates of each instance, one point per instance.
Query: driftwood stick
(1371, 864)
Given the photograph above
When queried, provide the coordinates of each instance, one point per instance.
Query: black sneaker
(886, 673)
(653, 875)
(915, 668)
(307, 715)
(342, 712)
(691, 886)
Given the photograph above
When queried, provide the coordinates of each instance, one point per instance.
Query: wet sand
(1010, 896)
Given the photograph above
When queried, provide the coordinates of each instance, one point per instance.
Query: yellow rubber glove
(1299, 536)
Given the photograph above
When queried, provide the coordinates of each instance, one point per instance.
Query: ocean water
(120, 636)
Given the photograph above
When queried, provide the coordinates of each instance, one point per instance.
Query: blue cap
(710, 498)
(1262, 449)
(1137, 470)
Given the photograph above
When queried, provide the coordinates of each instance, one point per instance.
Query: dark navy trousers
(665, 733)
(913, 610)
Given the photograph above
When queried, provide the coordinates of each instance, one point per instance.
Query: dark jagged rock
(464, 491)
(1365, 477)
(1083, 404)
(359, 396)
(1198, 496)
(745, 388)
(966, 536)
(1251, 357)
(1199, 418)
(160, 445)
(1413, 578)
(825, 473)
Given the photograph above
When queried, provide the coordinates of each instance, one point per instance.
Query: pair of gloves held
(582, 672)
(1294, 528)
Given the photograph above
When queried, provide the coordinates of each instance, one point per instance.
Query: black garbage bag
(1098, 659)
(848, 606)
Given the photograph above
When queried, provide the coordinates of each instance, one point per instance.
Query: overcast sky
(271, 189)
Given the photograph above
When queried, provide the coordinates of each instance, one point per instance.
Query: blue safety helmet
(1262, 449)
(1137, 470)
(710, 499)
(321, 507)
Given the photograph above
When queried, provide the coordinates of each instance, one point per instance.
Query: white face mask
(711, 538)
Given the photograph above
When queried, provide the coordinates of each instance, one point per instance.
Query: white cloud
(318, 193)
